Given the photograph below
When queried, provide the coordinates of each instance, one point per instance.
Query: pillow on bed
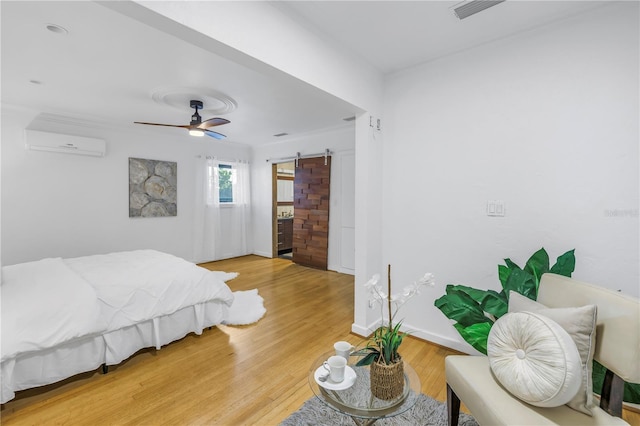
(535, 359)
(580, 323)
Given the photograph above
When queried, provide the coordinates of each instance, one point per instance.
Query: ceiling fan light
(196, 132)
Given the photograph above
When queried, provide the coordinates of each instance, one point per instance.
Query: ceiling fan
(197, 127)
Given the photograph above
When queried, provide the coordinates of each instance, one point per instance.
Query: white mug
(335, 366)
(343, 349)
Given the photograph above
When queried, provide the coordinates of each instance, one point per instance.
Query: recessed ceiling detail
(213, 102)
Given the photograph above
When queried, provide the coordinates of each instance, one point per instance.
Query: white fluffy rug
(247, 308)
(425, 412)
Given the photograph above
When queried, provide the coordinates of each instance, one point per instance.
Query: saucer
(349, 379)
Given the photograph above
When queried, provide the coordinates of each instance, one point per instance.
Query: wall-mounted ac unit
(67, 144)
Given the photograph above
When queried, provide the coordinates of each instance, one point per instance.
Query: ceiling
(112, 69)
(395, 35)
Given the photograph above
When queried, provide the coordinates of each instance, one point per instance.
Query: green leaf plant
(474, 311)
(383, 346)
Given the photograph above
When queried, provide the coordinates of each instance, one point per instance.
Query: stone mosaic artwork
(152, 188)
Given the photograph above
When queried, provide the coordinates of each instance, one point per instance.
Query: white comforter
(45, 303)
(137, 285)
(52, 301)
(100, 304)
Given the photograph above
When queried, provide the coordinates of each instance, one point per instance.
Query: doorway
(284, 209)
(309, 221)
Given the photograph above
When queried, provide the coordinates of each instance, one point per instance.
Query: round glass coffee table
(353, 395)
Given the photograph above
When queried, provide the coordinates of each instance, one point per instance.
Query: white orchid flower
(410, 290)
(398, 298)
(379, 295)
(428, 279)
(392, 303)
(372, 282)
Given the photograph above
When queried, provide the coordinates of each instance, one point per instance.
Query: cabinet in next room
(285, 235)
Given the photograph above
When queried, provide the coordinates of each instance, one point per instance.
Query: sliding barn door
(311, 212)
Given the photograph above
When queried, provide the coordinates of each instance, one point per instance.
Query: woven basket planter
(387, 381)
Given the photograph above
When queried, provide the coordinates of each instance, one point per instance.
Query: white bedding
(57, 306)
(114, 304)
(137, 285)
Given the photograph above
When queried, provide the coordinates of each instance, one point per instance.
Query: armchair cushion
(535, 359)
(580, 323)
(471, 379)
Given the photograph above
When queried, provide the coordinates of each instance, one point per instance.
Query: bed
(60, 317)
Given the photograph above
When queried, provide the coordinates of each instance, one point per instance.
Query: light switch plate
(495, 208)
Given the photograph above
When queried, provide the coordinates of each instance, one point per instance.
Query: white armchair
(617, 347)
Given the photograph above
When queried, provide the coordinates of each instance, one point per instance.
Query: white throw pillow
(535, 359)
(580, 323)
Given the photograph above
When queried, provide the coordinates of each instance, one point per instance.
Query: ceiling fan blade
(165, 125)
(213, 134)
(213, 122)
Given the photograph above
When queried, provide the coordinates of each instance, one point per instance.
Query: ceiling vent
(469, 8)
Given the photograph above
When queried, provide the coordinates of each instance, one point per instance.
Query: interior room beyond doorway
(285, 173)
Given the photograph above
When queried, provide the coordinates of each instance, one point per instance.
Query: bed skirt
(33, 369)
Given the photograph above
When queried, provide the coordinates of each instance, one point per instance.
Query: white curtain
(221, 229)
(242, 207)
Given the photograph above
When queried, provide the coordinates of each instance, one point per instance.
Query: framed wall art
(152, 188)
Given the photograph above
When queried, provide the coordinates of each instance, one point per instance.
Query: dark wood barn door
(311, 212)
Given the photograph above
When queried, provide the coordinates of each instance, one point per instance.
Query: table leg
(358, 422)
(367, 422)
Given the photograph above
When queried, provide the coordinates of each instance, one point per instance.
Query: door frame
(274, 211)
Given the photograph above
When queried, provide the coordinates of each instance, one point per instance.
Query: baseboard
(442, 341)
(262, 253)
(359, 330)
(365, 331)
(420, 334)
(346, 271)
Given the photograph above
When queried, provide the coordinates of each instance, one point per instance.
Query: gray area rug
(426, 412)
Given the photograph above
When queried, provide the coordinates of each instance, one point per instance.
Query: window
(226, 177)
(226, 183)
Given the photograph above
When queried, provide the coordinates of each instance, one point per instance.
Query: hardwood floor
(248, 375)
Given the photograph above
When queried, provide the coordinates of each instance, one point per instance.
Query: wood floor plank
(247, 375)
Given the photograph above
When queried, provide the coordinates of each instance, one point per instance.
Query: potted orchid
(381, 352)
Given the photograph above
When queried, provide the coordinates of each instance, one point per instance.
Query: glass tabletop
(354, 398)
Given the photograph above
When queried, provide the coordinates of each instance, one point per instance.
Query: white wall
(341, 142)
(301, 53)
(369, 202)
(68, 205)
(0, 202)
(546, 121)
(264, 32)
